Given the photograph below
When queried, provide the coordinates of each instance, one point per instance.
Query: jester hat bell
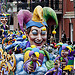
(38, 19)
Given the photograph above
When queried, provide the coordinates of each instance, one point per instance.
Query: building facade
(69, 19)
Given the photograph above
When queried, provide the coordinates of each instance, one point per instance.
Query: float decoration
(8, 62)
(54, 32)
(49, 12)
(34, 57)
(40, 15)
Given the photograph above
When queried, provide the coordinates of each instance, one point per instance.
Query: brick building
(66, 18)
(69, 19)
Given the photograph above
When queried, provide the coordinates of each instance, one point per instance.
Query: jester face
(4, 20)
(64, 53)
(37, 37)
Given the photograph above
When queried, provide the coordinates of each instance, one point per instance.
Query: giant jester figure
(35, 60)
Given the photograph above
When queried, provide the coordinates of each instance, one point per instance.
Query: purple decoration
(30, 53)
(63, 58)
(41, 56)
(34, 63)
(27, 44)
(63, 47)
(71, 53)
(71, 58)
(4, 26)
(54, 73)
(24, 15)
(40, 61)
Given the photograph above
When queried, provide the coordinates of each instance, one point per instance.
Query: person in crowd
(63, 37)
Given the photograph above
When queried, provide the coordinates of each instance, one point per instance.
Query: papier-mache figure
(64, 59)
(71, 59)
(3, 20)
(34, 58)
(37, 35)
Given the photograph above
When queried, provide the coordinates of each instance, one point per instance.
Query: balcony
(57, 5)
(31, 5)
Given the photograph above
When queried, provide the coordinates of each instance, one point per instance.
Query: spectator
(63, 37)
(51, 39)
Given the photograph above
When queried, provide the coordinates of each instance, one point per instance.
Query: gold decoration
(38, 14)
(5, 62)
(54, 32)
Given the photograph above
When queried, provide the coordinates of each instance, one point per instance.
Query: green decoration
(70, 62)
(49, 64)
(59, 44)
(47, 54)
(29, 48)
(40, 51)
(31, 62)
(61, 58)
(49, 12)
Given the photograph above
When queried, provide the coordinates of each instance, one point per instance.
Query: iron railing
(57, 5)
(30, 6)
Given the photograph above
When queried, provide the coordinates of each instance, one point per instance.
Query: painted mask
(37, 37)
(4, 20)
(64, 53)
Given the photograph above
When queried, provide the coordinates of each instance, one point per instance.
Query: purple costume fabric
(72, 53)
(28, 44)
(63, 58)
(54, 73)
(70, 58)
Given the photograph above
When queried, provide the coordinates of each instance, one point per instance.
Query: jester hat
(64, 47)
(38, 19)
(4, 15)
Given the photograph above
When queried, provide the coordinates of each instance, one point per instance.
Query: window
(71, 0)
